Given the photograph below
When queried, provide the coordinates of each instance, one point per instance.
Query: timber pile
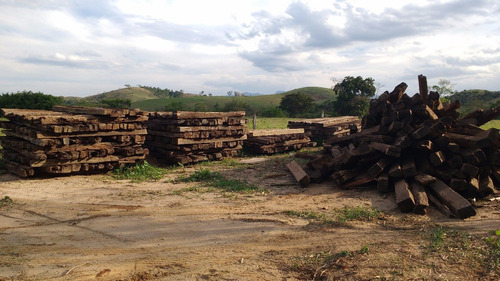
(323, 128)
(417, 147)
(277, 140)
(71, 140)
(189, 137)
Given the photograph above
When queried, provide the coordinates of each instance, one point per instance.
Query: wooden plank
(460, 206)
(274, 132)
(195, 115)
(299, 173)
(404, 198)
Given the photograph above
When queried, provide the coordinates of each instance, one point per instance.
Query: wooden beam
(299, 173)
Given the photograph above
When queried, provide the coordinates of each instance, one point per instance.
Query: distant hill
(474, 99)
(132, 93)
(218, 103)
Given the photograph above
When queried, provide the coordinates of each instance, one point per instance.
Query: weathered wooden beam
(457, 204)
(299, 173)
(404, 198)
(421, 199)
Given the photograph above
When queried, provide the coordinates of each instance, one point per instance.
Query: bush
(273, 112)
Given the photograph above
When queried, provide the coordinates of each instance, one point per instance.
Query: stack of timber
(277, 140)
(323, 128)
(189, 137)
(71, 140)
(417, 147)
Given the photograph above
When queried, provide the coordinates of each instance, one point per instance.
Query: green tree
(444, 87)
(353, 95)
(29, 100)
(297, 104)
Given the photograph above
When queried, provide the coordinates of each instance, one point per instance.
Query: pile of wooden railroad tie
(189, 137)
(71, 139)
(272, 141)
(322, 128)
(417, 147)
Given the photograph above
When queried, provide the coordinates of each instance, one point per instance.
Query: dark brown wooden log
(409, 168)
(378, 167)
(420, 133)
(424, 179)
(486, 186)
(404, 198)
(422, 86)
(454, 201)
(387, 149)
(421, 199)
(383, 183)
(440, 206)
(397, 93)
(395, 170)
(437, 158)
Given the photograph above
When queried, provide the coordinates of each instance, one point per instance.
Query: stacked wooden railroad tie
(189, 137)
(72, 139)
(416, 147)
(322, 128)
(277, 140)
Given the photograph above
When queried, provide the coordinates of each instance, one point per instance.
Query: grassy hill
(206, 103)
(132, 93)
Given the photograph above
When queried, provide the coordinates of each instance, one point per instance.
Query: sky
(86, 47)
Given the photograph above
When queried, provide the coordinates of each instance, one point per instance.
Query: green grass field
(270, 123)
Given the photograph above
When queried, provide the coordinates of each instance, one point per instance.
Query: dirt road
(96, 227)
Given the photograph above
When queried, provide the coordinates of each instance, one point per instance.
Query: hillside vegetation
(218, 103)
(474, 99)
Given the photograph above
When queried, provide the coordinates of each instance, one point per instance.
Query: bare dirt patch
(95, 227)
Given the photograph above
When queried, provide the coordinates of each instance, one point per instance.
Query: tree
(353, 95)
(444, 87)
(297, 104)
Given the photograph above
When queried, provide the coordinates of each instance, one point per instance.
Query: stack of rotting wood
(277, 140)
(189, 137)
(71, 140)
(417, 147)
(323, 128)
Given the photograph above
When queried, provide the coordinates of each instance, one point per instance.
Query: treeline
(39, 100)
(29, 100)
(163, 93)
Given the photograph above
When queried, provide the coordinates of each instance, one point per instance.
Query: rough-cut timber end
(299, 173)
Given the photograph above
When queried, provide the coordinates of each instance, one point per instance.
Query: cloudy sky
(85, 47)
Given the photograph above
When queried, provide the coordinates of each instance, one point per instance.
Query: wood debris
(71, 140)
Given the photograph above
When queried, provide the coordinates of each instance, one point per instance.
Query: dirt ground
(96, 227)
